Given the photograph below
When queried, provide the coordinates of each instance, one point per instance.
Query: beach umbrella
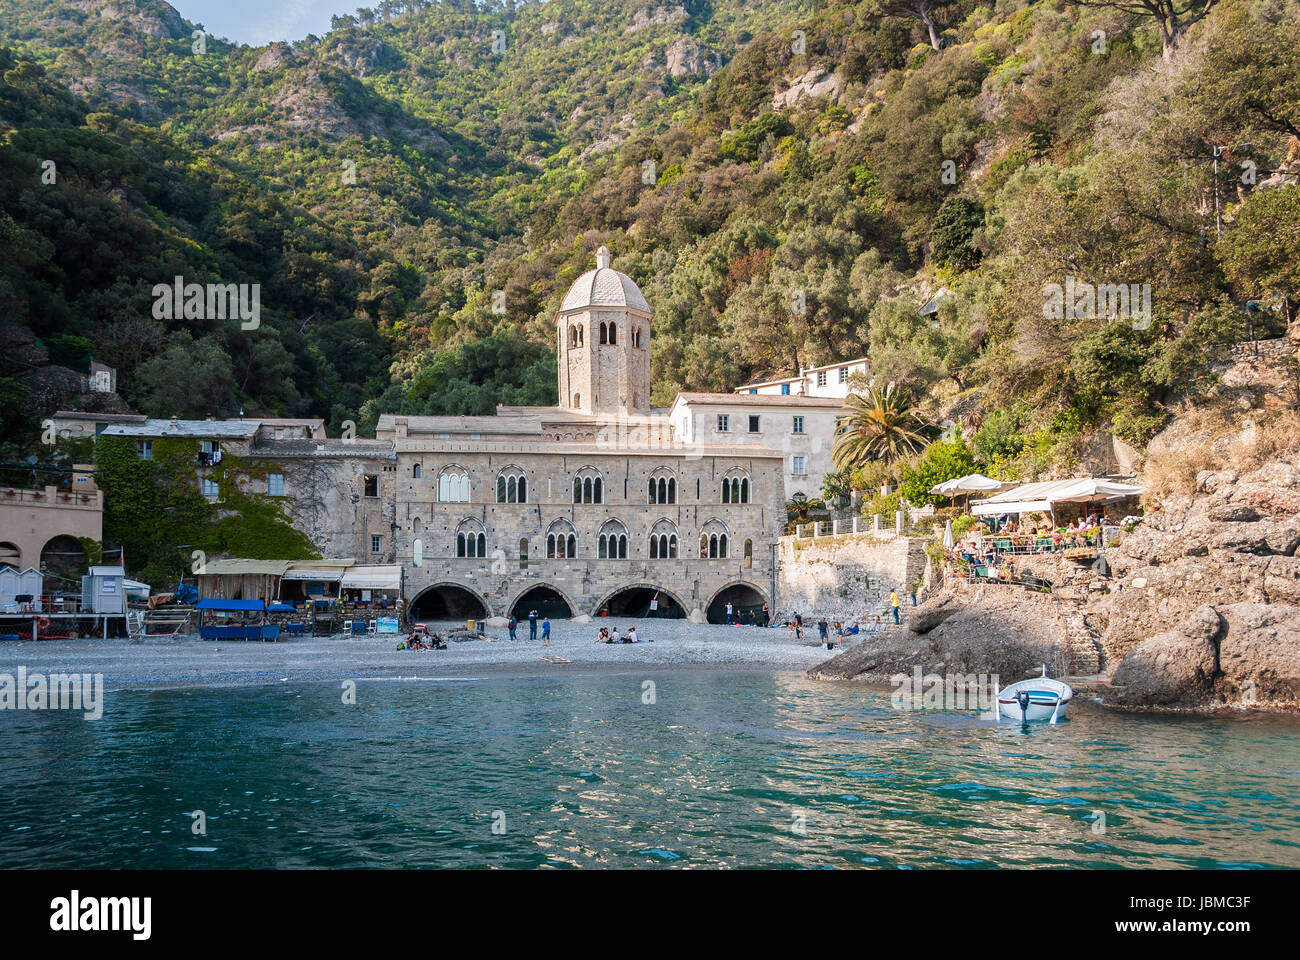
(971, 483)
(947, 535)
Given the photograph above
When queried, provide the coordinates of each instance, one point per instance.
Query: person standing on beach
(823, 629)
(728, 613)
(767, 617)
(893, 603)
(546, 632)
(513, 624)
(532, 624)
(798, 625)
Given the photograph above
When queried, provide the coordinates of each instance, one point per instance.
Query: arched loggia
(746, 604)
(448, 601)
(547, 601)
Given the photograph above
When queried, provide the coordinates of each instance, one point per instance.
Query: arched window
(415, 472)
(577, 402)
(613, 333)
(588, 487)
(663, 486)
(523, 553)
(611, 542)
(561, 541)
(714, 541)
(512, 486)
(735, 486)
(604, 333)
(453, 485)
(471, 540)
(749, 553)
(663, 541)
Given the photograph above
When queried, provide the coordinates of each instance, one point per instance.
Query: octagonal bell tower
(603, 332)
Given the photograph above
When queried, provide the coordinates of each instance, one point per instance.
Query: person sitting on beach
(631, 635)
(614, 637)
(603, 636)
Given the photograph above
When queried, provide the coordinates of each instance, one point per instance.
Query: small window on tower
(372, 485)
(753, 425)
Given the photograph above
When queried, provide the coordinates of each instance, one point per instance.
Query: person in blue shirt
(532, 624)
(546, 632)
(513, 624)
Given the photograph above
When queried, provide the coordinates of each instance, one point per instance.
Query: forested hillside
(788, 182)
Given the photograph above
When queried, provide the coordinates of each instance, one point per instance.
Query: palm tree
(879, 425)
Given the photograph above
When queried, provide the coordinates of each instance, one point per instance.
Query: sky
(257, 22)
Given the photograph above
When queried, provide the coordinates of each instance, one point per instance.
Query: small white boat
(1038, 698)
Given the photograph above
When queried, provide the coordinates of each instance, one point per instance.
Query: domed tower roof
(604, 287)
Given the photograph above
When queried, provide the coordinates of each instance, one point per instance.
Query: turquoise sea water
(724, 769)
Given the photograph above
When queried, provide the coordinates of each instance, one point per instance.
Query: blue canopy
(281, 608)
(212, 603)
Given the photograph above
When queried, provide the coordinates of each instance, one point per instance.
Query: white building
(831, 380)
(801, 428)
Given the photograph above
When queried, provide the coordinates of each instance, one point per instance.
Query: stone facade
(520, 549)
(341, 493)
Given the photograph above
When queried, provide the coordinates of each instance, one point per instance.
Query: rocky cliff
(1196, 608)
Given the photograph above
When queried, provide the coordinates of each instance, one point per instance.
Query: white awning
(1041, 497)
(382, 577)
(322, 574)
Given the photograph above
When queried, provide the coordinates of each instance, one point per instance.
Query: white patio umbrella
(971, 483)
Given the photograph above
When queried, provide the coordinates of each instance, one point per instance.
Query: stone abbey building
(590, 506)
(602, 503)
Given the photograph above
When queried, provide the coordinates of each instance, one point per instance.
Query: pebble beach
(169, 662)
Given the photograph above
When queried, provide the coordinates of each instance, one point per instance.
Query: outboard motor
(1022, 697)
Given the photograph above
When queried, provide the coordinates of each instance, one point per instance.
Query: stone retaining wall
(846, 577)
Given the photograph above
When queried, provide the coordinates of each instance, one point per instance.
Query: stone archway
(548, 601)
(642, 600)
(745, 598)
(64, 556)
(449, 601)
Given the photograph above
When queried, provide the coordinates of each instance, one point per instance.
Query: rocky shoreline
(1196, 609)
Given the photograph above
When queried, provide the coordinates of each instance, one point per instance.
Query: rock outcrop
(817, 82)
(1000, 630)
(1196, 608)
